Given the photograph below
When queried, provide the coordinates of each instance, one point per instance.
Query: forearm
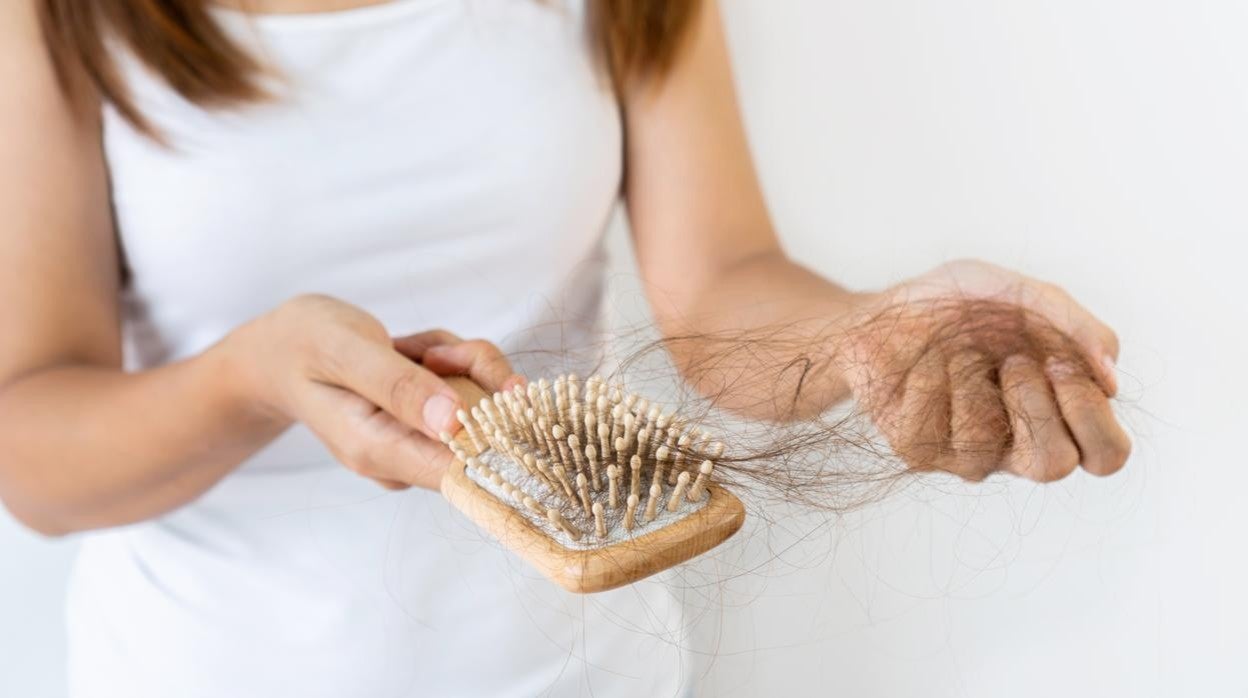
(84, 447)
(760, 337)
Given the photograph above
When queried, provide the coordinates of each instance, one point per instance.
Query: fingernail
(1058, 368)
(439, 414)
(515, 381)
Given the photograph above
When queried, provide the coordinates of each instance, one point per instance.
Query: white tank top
(440, 163)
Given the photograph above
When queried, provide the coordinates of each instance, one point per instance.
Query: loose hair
(181, 42)
(816, 451)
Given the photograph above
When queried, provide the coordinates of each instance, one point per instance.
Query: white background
(1100, 144)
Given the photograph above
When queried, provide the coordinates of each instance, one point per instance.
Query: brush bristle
(589, 463)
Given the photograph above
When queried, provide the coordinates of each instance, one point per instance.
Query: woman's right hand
(378, 403)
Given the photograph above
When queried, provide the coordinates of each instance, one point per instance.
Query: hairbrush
(592, 485)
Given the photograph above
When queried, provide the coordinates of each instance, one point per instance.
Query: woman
(229, 230)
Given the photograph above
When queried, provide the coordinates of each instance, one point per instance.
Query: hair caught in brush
(932, 382)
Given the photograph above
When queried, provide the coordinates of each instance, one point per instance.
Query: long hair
(180, 41)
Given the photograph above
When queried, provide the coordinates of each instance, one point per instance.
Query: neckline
(365, 14)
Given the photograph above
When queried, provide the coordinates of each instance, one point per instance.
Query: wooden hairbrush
(594, 487)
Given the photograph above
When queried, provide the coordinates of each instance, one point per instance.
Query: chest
(397, 150)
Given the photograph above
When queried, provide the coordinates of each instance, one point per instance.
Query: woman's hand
(972, 368)
(378, 403)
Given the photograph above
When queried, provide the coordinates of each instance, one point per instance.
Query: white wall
(1096, 143)
(1101, 145)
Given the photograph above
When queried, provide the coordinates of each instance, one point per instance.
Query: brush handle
(469, 391)
(470, 394)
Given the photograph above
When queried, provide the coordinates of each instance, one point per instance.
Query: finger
(409, 392)
(917, 424)
(979, 426)
(1042, 448)
(408, 456)
(414, 346)
(1103, 445)
(371, 442)
(478, 359)
(1098, 341)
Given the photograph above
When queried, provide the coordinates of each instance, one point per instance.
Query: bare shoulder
(30, 93)
(21, 37)
(56, 238)
(20, 16)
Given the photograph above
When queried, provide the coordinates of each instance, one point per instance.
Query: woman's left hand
(954, 387)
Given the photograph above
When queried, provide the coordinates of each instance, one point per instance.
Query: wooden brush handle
(469, 391)
(470, 394)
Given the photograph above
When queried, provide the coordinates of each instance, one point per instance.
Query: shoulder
(26, 63)
(21, 30)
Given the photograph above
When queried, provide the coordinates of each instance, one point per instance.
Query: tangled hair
(827, 456)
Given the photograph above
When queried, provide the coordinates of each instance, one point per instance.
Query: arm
(84, 444)
(713, 267)
(72, 449)
(709, 255)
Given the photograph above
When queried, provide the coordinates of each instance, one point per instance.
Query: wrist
(230, 376)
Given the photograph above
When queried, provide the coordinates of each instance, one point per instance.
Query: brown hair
(180, 41)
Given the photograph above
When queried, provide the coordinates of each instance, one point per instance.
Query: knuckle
(1037, 472)
(1016, 369)
(442, 336)
(1121, 450)
(923, 457)
(976, 474)
(305, 301)
(1059, 464)
(975, 468)
(981, 457)
(306, 304)
(1112, 344)
(1111, 457)
(288, 322)
(967, 265)
(1041, 461)
(484, 349)
(333, 316)
(1011, 366)
(1055, 291)
(970, 465)
(407, 388)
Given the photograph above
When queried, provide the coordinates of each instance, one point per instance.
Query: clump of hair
(817, 450)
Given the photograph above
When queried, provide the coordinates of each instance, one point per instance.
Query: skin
(77, 458)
